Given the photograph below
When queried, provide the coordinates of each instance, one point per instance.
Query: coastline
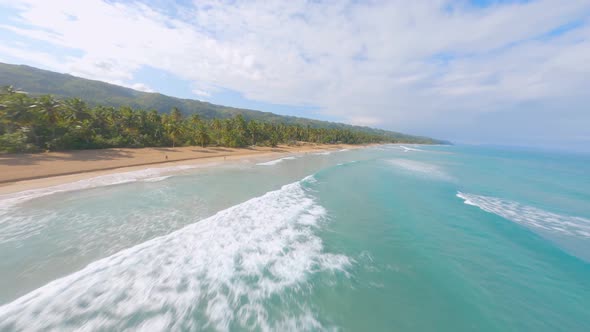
(37, 171)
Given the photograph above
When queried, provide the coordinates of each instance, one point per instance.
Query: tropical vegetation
(40, 123)
(38, 82)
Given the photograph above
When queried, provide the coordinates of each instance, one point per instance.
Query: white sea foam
(324, 153)
(420, 168)
(343, 150)
(157, 178)
(276, 161)
(530, 216)
(220, 273)
(407, 149)
(150, 174)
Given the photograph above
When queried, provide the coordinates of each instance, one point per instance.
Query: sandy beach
(20, 172)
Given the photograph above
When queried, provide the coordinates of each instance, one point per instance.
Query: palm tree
(240, 127)
(50, 108)
(176, 114)
(155, 126)
(195, 119)
(112, 119)
(253, 130)
(174, 130)
(32, 118)
(217, 126)
(19, 111)
(77, 110)
(202, 135)
(274, 139)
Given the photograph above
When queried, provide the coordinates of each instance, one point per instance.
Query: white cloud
(396, 64)
(142, 87)
(201, 93)
(363, 121)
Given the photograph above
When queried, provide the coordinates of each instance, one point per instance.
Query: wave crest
(276, 161)
(147, 175)
(420, 168)
(530, 216)
(222, 272)
(407, 149)
(323, 153)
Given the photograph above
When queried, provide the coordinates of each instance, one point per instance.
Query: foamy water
(218, 273)
(276, 161)
(157, 178)
(347, 163)
(148, 175)
(376, 240)
(420, 169)
(530, 216)
(407, 149)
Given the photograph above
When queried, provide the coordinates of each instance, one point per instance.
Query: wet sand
(20, 172)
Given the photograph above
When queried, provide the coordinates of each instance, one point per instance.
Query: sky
(476, 72)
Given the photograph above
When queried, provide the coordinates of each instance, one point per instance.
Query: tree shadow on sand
(18, 159)
(221, 149)
(203, 151)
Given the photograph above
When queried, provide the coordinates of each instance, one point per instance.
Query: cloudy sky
(479, 71)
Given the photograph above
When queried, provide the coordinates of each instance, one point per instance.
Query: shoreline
(37, 171)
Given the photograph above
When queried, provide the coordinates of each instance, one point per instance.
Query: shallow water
(386, 238)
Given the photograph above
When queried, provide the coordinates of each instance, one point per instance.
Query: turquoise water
(390, 238)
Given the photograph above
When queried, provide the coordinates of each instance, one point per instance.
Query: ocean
(386, 238)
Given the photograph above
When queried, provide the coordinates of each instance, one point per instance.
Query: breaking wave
(228, 271)
(148, 175)
(347, 163)
(407, 149)
(530, 216)
(420, 168)
(276, 161)
(157, 179)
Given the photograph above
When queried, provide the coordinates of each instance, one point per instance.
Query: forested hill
(39, 82)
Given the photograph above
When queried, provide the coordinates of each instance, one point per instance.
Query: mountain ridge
(36, 81)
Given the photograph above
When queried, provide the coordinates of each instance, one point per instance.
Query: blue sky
(479, 72)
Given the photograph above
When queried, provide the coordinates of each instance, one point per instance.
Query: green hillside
(39, 82)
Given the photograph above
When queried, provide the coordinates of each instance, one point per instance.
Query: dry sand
(20, 172)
